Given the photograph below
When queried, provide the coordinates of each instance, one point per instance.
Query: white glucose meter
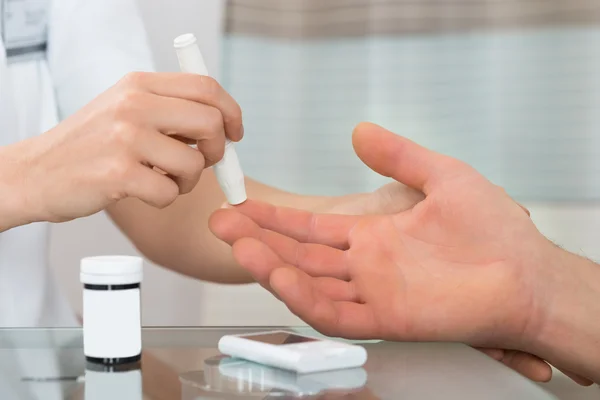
(290, 351)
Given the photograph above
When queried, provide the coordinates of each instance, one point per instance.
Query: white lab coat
(91, 45)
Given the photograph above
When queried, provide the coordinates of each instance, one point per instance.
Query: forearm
(10, 215)
(15, 210)
(569, 336)
(178, 237)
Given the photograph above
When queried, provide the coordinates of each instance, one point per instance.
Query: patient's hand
(462, 265)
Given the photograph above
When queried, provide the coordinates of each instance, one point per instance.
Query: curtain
(511, 87)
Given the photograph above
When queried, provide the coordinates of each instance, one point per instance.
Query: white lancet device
(293, 352)
(228, 171)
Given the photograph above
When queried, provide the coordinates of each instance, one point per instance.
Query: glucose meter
(290, 351)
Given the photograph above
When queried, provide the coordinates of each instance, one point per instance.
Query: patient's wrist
(569, 335)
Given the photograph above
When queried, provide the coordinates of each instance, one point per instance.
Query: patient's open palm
(459, 266)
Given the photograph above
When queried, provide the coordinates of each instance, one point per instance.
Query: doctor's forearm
(10, 214)
(178, 236)
(15, 210)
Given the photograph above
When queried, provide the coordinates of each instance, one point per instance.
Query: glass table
(184, 363)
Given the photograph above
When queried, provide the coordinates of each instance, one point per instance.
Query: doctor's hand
(131, 141)
(462, 265)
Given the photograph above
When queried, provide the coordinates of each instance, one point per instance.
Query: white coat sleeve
(91, 45)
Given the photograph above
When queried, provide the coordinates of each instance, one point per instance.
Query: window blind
(517, 96)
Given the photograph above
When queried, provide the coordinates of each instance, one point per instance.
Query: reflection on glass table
(181, 363)
(223, 374)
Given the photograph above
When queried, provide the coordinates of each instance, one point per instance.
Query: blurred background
(512, 87)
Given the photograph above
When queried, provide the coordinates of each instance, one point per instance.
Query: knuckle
(117, 169)
(214, 122)
(209, 86)
(127, 104)
(123, 134)
(134, 79)
(117, 195)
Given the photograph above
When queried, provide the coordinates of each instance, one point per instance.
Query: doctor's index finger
(193, 87)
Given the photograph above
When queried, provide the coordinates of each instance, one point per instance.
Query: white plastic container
(112, 333)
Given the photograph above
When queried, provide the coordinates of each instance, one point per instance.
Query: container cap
(111, 270)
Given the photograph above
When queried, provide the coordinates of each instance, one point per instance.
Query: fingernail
(226, 205)
(242, 132)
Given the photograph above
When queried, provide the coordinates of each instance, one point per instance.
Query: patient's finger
(302, 296)
(260, 260)
(496, 354)
(306, 227)
(580, 380)
(230, 226)
(527, 365)
(531, 366)
(257, 258)
(315, 259)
